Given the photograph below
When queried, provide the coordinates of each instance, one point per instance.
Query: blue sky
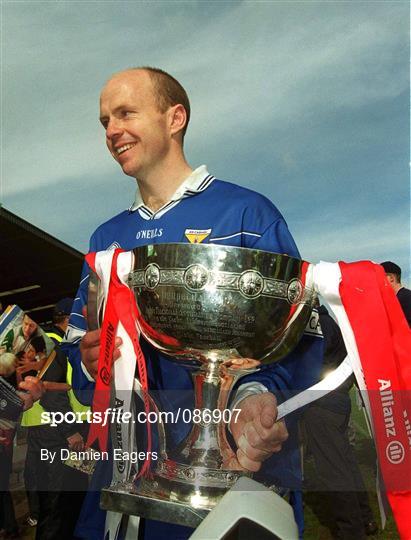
(305, 102)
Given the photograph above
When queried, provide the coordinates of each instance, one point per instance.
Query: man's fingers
(266, 442)
(33, 386)
(91, 339)
(268, 416)
(27, 401)
(90, 350)
(253, 452)
(257, 448)
(116, 354)
(276, 435)
(246, 462)
(233, 464)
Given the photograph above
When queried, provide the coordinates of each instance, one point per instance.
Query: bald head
(167, 91)
(144, 132)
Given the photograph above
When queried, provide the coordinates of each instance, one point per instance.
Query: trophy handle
(94, 302)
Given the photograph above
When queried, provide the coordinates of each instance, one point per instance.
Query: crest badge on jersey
(196, 236)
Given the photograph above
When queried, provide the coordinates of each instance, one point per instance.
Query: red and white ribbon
(378, 342)
(120, 318)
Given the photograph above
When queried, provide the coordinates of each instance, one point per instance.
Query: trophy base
(123, 498)
(198, 487)
(175, 493)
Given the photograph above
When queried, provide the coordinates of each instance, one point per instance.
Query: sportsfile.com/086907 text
(117, 416)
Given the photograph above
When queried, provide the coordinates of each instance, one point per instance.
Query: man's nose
(113, 129)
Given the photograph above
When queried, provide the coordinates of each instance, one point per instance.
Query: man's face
(391, 280)
(29, 354)
(28, 327)
(137, 133)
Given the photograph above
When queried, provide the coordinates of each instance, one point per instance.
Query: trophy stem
(207, 444)
(197, 471)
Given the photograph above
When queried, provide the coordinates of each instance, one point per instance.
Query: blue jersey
(211, 211)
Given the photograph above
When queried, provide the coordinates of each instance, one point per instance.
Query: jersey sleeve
(82, 386)
(277, 239)
(265, 228)
(301, 368)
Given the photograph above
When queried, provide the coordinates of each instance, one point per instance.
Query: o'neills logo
(149, 233)
(394, 450)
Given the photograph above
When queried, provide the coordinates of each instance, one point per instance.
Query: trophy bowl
(222, 312)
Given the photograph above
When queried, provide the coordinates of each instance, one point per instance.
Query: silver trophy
(222, 312)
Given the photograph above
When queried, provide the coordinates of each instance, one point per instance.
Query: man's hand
(256, 432)
(90, 349)
(34, 389)
(75, 442)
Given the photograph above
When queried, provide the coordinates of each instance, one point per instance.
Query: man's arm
(82, 382)
(257, 434)
(14, 402)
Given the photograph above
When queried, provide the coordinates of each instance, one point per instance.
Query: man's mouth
(124, 148)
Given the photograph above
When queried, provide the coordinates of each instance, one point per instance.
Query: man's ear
(390, 278)
(177, 118)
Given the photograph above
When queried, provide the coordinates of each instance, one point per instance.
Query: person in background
(45, 479)
(75, 483)
(326, 428)
(393, 273)
(61, 316)
(34, 351)
(16, 341)
(12, 404)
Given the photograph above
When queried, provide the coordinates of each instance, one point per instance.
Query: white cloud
(257, 74)
(250, 66)
(387, 238)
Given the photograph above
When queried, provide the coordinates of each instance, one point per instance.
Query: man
(145, 113)
(393, 273)
(12, 403)
(46, 480)
(49, 484)
(326, 427)
(17, 342)
(74, 482)
(61, 316)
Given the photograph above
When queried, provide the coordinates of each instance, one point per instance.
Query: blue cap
(63, 306)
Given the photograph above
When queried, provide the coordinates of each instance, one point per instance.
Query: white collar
(198, 180)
